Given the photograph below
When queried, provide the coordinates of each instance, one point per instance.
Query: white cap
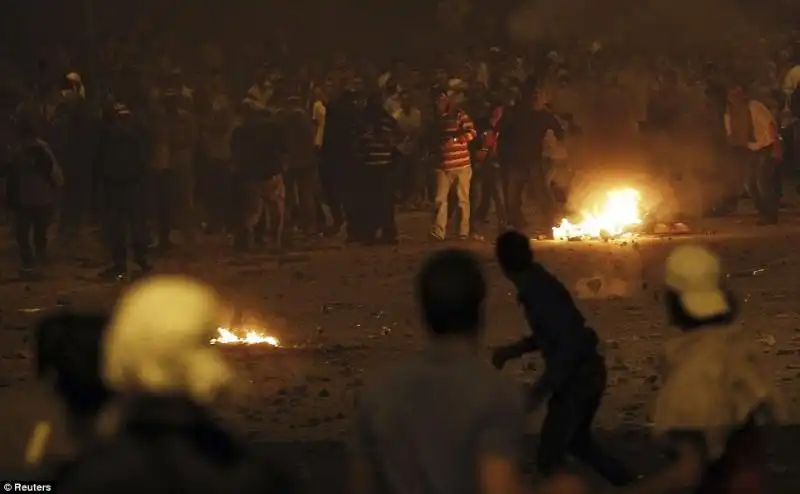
(158, 341)
(694, 273)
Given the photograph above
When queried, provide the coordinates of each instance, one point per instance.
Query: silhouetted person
(575, 373)
(157, 356)
(443, 421)
(68, 355)
(33, 180)
(120, 170)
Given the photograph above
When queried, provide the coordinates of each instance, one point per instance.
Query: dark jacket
(522, 132)
(258, 149)
(559, 329)
(298, 130)
(33, 177)
(169, 445)
(123, 153)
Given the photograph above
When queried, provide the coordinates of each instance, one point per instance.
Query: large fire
(616, 217)
(228, 336)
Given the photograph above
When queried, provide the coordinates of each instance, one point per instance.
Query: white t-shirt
(410, 125)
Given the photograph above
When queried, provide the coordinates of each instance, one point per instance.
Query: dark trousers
(261, 206)
(379, 202)
(760, 170)
(517, 180)
(333, 191)
(567, 428)
(32, 222)
(217, 196)
(164, 185)
(75, 207)
(486, 189)
(125, 220)
(301, 200)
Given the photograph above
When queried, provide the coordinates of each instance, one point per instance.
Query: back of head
(68, 349)
(158, 341)
(513, 251)
(451, 289)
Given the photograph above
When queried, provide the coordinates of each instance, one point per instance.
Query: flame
(614, 218)
(250, 337)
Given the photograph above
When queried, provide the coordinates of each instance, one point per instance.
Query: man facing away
(442, 422)
(575, 374)
(259, 151)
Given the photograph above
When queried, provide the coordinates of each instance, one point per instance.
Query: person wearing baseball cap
(693, 278)
(157, 356)
(714, 393)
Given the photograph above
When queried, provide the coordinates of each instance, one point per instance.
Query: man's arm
(554, 125)
(468, 132)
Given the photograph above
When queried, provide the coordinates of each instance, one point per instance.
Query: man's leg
(557, 429)
(515, 182)
(386, 197)
(444, 180)
(479, 202)
(764, 170)
(23, 226)
(163, 206)
(41, 225)
(250, 212)
(463, 180)
(494, 191)
(137, 222)
(582, 443)
(116, 222)
(276, 208)
(542, 195)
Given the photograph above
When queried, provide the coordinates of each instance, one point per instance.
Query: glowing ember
(615, 218)
(249, 337)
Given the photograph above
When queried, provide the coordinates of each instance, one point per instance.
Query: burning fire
(614, 218)
(249, 337)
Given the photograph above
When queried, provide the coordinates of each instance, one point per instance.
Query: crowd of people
(151, 149)
(138, 385)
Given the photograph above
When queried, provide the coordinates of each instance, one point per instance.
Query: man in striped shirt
(452, 130)
(376, 148)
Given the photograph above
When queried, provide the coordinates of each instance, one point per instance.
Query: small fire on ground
(619, 216)
(243, 336)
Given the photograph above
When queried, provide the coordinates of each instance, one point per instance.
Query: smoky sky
(710, 27)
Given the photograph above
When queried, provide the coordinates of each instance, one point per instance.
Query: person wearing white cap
(714, 394)
(158, 357)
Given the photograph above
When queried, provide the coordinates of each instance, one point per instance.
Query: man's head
(451, 291)
(737, 93)
(158, 341)
(514, 253)
(695, 296)
(442, 101)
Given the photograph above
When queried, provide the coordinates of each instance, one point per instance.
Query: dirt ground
(341, 312)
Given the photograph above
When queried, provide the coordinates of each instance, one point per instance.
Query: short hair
(68, 347)
(513, 251)
(451, 289)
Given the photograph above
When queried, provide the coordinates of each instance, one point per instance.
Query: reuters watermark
(28, 487)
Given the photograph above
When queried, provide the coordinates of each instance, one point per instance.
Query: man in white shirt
(409, 123)
(753, 134)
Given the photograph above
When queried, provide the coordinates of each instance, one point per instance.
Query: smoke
(708, 27)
